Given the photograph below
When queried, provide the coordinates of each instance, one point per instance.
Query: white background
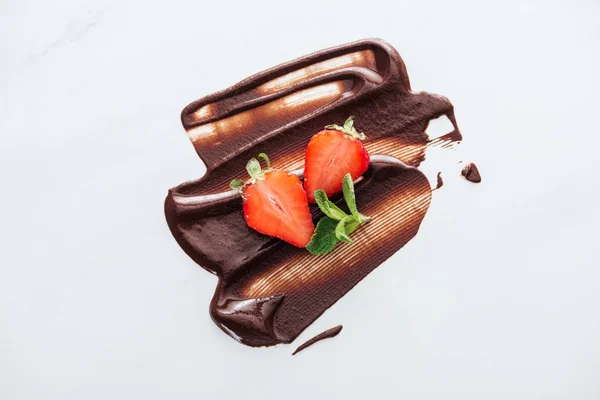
(498, 296)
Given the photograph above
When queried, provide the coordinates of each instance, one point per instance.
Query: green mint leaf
(364, 218)
(340, 229)
(323, 241)
(253, 168)
(348, 189)
(321, 199)
(264, 157)
(352, 225)
(236, 184)
(328, 208)
(336, 226)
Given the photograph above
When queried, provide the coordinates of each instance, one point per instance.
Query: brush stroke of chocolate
(329, 333)
(268, 291)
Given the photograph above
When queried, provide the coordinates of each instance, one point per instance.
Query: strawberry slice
(275, 203)
(331, 154)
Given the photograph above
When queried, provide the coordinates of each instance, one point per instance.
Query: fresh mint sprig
(336, 225)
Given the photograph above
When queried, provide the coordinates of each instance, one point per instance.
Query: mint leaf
(352, 225)
(348, 189)
(323, 241)
(364, 218)
(328, 208)
(336, 226)
(340, 229)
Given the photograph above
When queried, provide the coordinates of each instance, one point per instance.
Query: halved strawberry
(331, 154)
(275, 203)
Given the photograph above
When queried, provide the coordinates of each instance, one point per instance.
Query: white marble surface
(497, 297)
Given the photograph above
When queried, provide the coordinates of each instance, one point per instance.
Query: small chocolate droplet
(471, 173)
(440, 181)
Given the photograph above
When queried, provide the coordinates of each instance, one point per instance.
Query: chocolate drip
(268, 290)
(440, 181)
(329, 333)
(471, 173)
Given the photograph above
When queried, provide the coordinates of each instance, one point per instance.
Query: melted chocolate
(269, 291)
(329, 333)
(471, 173)
(440, 181)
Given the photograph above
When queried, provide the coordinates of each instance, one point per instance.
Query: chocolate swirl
(269, 291)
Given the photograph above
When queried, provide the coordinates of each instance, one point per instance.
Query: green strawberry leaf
(266, 158)
(348, 189)
(324, 239)
(328, 208)
(348, 129)
(253, 168)
(236, 184)
(335, 127)
(340, 229)
(349, 123)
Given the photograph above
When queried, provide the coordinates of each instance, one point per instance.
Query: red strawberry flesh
(329, 156)
(276, 205)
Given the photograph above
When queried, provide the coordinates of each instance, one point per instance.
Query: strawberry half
(331, 154)
(275, 203)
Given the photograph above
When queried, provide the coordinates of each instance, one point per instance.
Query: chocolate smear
(269, 291)
(440, 181)
(333, 332)
(471, 173)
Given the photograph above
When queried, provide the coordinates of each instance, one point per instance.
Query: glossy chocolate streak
(269, 291)
(329, 333)
(229, 127)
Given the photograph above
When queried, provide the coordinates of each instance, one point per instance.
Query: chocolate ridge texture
(268, 291)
